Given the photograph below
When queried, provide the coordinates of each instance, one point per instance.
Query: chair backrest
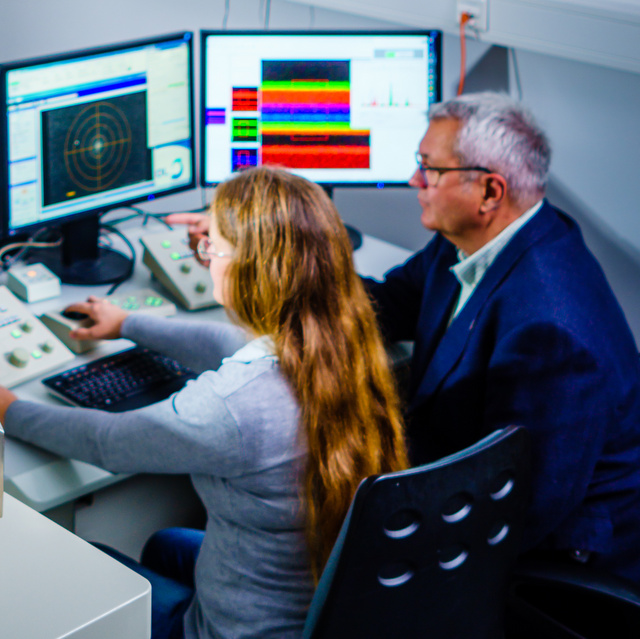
(426, 552)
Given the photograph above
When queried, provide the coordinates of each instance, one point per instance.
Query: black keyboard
(122, 381)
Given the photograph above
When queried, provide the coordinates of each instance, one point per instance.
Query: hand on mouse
(106, 317)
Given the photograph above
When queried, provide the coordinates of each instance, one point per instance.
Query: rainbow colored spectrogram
(305, 113)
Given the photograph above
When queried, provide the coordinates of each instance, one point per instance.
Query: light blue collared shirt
(471, 268)
(258, 348)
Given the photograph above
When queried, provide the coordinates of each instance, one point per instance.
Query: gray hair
(500, 134)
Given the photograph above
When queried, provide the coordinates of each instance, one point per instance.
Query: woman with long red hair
(294, 406)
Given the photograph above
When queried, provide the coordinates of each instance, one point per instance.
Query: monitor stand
(355, 236)
(80, 260)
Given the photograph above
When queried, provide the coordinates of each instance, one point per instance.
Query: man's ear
(494, 191)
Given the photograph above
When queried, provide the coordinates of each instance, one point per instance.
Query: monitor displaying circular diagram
(94, 146)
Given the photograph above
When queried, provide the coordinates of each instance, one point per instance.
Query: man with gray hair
(514, 323)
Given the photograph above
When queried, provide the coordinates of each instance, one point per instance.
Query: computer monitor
(339, 108)
(85, 132)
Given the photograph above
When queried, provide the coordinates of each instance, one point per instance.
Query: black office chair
(426, 552)
(570, 601)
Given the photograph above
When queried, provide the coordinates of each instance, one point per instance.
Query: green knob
(201, 287)
(48, 346)
(19, 357)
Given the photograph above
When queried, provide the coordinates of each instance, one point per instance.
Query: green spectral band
(304, 85)
(321, 127)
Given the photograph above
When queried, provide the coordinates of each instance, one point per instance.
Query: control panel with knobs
(28, 348)
(169, 258)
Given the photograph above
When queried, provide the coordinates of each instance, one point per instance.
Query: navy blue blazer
(543, 343)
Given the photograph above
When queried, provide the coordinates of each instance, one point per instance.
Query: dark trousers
(168, 563)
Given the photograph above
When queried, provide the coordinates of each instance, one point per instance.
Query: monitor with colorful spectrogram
(84, 132)
(338, 108)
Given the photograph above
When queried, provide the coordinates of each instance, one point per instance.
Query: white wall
(590, 112)
(603, 32)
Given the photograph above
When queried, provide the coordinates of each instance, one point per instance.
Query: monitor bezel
(6, 231)
(330, 185)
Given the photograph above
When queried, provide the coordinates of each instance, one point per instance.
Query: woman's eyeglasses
(206, 249)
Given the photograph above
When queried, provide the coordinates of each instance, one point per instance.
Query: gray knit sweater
(235, 431)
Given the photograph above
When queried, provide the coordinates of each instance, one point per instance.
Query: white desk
(56, 585)
(45, 481)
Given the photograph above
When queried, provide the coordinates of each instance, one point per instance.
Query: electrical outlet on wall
(477, 9)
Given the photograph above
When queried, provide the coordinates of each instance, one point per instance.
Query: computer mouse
(74, 315)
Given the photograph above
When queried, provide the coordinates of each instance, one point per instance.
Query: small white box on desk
(33, 282)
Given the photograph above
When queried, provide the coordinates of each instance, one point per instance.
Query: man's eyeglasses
(431, 174)
(206, 249)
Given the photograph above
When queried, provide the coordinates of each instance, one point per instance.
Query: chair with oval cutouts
(426, 552)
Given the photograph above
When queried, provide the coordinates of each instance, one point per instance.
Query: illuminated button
(201, 287)
(27, 327)
(36, 354)
(48, 347)
(16, 333)
(115, 301)
(175, 256)
(166, 244)
(153, 301)
(19, 357)
(186, 268)
(32, 273)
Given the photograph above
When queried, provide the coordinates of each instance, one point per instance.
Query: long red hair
(292, 277)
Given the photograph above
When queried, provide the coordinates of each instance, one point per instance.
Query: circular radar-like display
(97, 146)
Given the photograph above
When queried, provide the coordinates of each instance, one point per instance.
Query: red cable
(464, 18)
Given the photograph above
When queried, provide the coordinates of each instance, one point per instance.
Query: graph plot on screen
(95, 146)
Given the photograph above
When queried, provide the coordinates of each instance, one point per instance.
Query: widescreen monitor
(338, 108)
(88, 131)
